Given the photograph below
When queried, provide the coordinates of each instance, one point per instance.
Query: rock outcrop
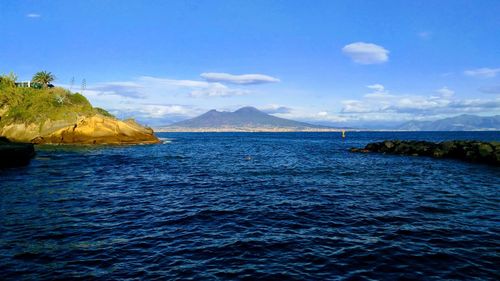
(15, 154)
(472, 151)
(58, 116)
(97, 129)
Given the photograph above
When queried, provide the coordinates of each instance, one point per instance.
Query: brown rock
(103, 130)
(97, 129)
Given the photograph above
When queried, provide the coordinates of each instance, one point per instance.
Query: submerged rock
(15, 154)
(472, 151)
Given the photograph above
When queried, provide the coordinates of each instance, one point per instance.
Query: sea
(250, 206)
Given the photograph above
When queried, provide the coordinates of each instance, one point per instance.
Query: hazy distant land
(464, 122)
(250, 119)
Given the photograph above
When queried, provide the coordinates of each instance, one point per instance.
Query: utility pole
(84, 85)
(71, 83)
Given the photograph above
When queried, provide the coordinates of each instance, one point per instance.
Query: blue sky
(321, 61)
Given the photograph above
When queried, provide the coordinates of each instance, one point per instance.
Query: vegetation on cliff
(29, 105)
(55, 115)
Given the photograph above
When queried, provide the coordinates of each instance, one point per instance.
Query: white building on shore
(24, 84)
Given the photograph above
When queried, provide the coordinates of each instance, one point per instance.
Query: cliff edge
(57, 116)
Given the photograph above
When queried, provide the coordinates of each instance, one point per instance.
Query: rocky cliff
(57, 116)
(97, 129)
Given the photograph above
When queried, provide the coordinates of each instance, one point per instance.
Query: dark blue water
(284, 206)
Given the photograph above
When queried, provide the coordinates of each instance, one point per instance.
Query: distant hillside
(241, 120)
(459, 123)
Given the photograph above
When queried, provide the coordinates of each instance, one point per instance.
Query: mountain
(463, 122)
(245, 119)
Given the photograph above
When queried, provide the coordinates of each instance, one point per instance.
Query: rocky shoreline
(95, 129)
(15, 154)
(471, 151)
(57, 116)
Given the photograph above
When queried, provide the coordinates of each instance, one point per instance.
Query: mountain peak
(212, 112)
(248, 109)
(247, 118)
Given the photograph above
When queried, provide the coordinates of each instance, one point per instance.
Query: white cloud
(173, 82)
(376, 87)
(146, 84)
(245, 79)
(160, 110)
(123, 89)
(366, 53)
(276, 109)
(308, 114)
(379, 92)
(217, 90)
(414, 106)
(33, 15)
(155, 114)
(445, 92)
(355, 106)
(417, 104)
(196, 88)
(483, 72)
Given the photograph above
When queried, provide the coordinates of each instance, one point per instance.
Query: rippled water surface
(284, 206)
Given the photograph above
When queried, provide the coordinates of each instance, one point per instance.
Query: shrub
(77, 98)
(29, 105)
(103, 112)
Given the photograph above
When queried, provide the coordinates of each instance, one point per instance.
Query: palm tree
(43, 77)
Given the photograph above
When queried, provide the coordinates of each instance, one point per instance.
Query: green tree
(43, 77)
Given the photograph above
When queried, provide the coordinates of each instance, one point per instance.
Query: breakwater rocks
(472, 151)
(15, 154)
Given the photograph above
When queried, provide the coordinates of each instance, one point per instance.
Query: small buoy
(248, 158)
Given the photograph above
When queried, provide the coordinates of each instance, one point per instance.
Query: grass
(28, 105)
